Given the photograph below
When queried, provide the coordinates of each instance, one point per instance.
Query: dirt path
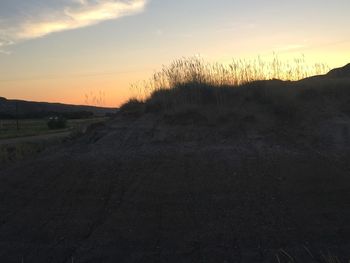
(138, 192)
(37, 138)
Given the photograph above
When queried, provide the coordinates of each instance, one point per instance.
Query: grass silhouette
(249, 90)
(195, 71)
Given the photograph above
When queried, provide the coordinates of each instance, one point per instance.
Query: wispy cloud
(3, 44)
(73, 14)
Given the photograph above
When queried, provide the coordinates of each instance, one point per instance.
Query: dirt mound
(185, 117)
(252, 174)
(343, 72)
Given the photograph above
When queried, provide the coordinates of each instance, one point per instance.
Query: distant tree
(57, 122)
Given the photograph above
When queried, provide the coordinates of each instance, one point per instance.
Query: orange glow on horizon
(112, 90)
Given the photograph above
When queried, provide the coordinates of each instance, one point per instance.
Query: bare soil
(144, 190)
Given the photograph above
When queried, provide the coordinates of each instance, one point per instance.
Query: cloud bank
(38, 18)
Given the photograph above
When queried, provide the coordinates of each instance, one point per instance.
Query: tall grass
(197, 71)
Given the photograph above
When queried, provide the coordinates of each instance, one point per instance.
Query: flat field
(33, 136)
(36, 127)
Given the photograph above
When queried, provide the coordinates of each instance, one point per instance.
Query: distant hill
(30, 109)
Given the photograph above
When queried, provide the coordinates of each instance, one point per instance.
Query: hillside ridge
(8, 108)
(342, 72)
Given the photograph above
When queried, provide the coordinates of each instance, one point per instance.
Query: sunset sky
(63, 50)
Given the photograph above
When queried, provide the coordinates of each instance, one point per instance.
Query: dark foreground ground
(144, 191)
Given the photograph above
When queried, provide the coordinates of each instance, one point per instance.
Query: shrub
(57, 122)
(132, 108)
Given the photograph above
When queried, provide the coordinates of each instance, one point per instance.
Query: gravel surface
(142, 191)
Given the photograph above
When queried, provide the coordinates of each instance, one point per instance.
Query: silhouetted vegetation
(133, 108)
(195, 71)
(247, 90)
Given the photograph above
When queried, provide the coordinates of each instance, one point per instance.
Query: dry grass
(19, 151)
(197, 72)
(249, 90)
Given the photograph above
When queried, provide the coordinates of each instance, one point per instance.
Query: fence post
(17, 121)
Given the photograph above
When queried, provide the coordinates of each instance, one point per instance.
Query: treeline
(46, 114)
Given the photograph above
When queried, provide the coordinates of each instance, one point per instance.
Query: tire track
(125, 149)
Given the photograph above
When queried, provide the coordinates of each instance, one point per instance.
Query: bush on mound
(132, 108)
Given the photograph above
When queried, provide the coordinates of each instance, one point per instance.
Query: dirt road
(137, 191)
(34, 139)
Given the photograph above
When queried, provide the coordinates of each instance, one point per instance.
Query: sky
(73, 51)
